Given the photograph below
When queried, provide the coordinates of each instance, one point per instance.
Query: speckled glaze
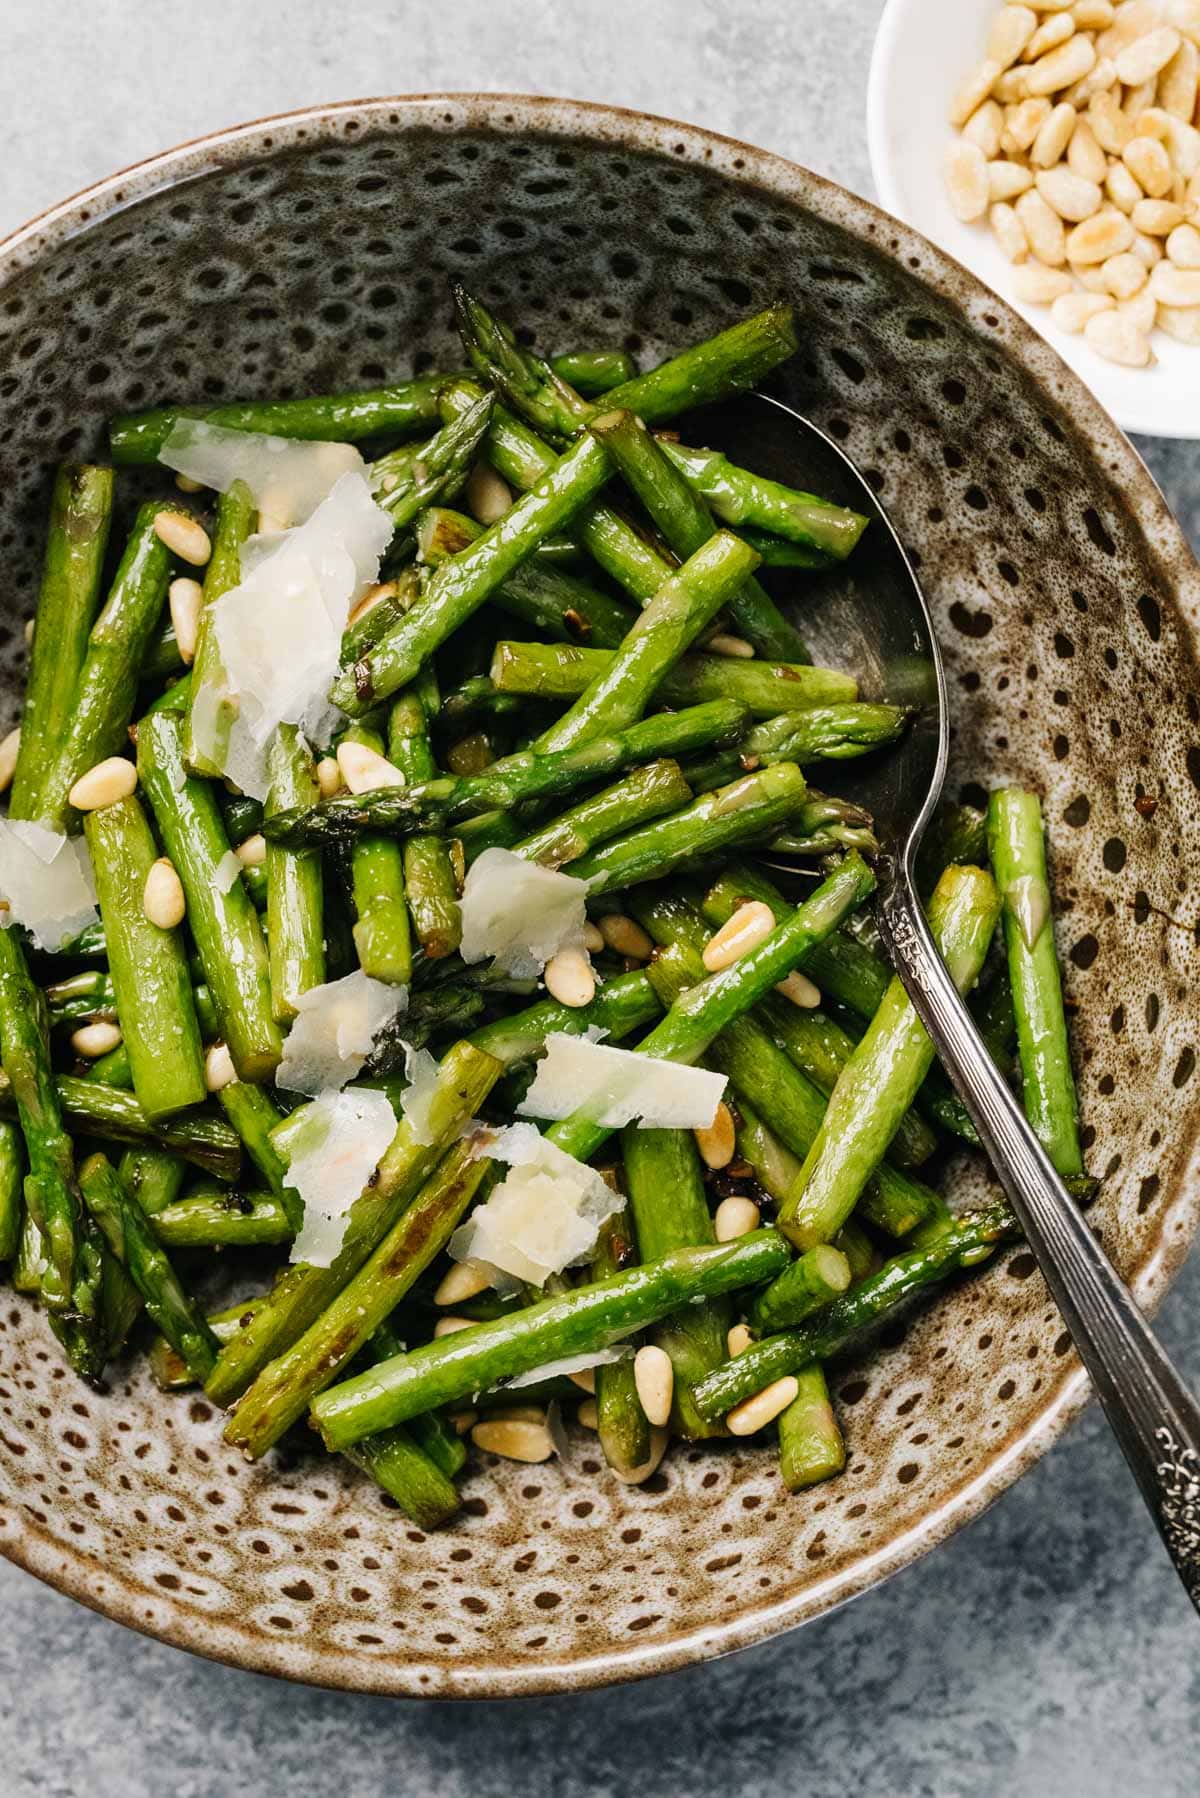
(313, 251)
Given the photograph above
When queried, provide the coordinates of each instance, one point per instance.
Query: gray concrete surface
(1046, 1651)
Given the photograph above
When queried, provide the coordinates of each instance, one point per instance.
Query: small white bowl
(923, 50)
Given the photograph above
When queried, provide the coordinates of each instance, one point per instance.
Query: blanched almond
(1050, 144)
(1009, 232)
(1037, 285)
(1117, 339)
(1105, 234)
(1070, 195)
(1043, 228)
(1084, 155)
(966, 173)
(1071, 311)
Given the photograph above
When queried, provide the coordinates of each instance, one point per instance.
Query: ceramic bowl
(923, 50)
(313, 252)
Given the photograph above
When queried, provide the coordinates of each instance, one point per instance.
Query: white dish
(923, 50)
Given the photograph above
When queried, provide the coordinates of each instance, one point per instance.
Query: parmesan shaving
(335, 1148)
(45, 882)
(226, 872)
(551, 1370)
(614, 1087)
(334, 1031)
(288, 479)
(544, 1216)
(519, 913)
(421, 1072)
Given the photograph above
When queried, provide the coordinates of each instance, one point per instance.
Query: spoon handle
(1154, 1416)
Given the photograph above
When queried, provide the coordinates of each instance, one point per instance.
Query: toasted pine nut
(1050, 33)
(1183, 246)
(1022, 124)
(654, 1378)
(1084, 155)
(1007, 179)
(1105, 234)
(462, 1421)
(588, 1415)
(1092, 15)
(219, 1070)
(585, 1379)
(737, 647)
(1052, 141)
(800, 990)
(1071, 311)
(449, 1326)
(463, 1281)
(1141, 311)
(370, 599)
(659, 1438)
(716, 1142)
(966, 174)
(513, 1438)
(185, 484)
(1177, 82)
(1039, 286)
(984, 126)
(1117, 339)
(1180, 322)
(624, 936)
(1111, 128)
(735, 1217)
(1010, 31)
(1172, 286)
(1157, 218)
(738, 1340)
(93, 1040)
(1070, 195)
(1124, 275)
(569, 978)
(1121, 187)
(185, 537)
(593, 942)
(329, 776)
(1009, 232)
(185, 597)
(1069, 63)
(112, 779)
(163, 899)
(974, 91)
(1043, 228)
(1149, 164)
(1145, 56)
(364, 769)
(10, 748)
(755, 1413)
(488, 497)
(750, 925)
(252, 852)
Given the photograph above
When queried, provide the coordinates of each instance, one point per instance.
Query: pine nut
(569, 978)
(185, 537)
(1180, 322)
(488, 497)
(1038, 286)
(1124, 275)
(1183, 147)
(219, 1070)
(1121, 187)
(755, 1413)
(1172, 286)
(93, 1040)
(1022, 124)
(1131, 21)
(1009, 88)
(10, 748)
(738, 1340)
(800, 990)
(593, 942)
(588, 1414)
(514, 1439)
(1117, 339)
(984, 126)
(1098, 81)
(737, 647)
(1007, 179)
(1183, 246)
(1053, 5)
(364, 769)
(1141, 311)
(1092, 15)
(1008, 231)
(252, 853)
(185, 597)
(1084, 155)
(750, 925)
(185, 484)
(1010, 31)
(1112, 129)
(1105, 234)
(659, 1438)
(462, 1421)
(974, 91)
(1152, 122)
(1052, 141)
(163, 899)
(1070, 195)
(1043, 228)
(463, 1281)
(1157, 218)
(1050, 33)
(30, 627)
(450, 1326)
(654, 1378)
(1093, 279)
(329, 777)
(1062, 67)
(735, 1217)
(1071, 311)
(1149, 164)
(371, 598)
(1148, 250)
(585, 1379)
(716, 1142)
(1145, 56)
(624, 936)
(112, 779)
(966, 174)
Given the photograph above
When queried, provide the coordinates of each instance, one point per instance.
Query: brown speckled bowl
(312, 252)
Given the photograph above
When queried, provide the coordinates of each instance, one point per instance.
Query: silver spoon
(873, 617)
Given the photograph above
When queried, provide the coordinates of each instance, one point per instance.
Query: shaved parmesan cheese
(334, 1031)
(551, 1370)
(279, 632)
(421, 1072)
(519, 913)
(45, 882)
(227, 871)
(288, 479)
(335, 1147)
(614, 1086)
(544, 1216)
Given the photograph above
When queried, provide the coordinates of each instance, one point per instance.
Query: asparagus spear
(12, 1176)
(563, 671)
(295, 892)
(132, 1240)
(148, 965)
(513, 781)
(585, 1319)
(650, 792)
(103, 701)
(882, 1077)
(152, 1177)
(95, 1109)
(435, 470)
(209, 710)
(382, 936)
(80, 512)
(823, 826)
(1015, 838)
(811, 1448)
(822, 733)
(622, 1425)
(810, 1283)
(214, 1217)
(621, 1006)
(224, 924)
(254, 1114)
(429, 881)
(739, 497)
(409, 1476)
(837, 1328)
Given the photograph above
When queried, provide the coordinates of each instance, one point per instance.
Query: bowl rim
(75, 1574)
